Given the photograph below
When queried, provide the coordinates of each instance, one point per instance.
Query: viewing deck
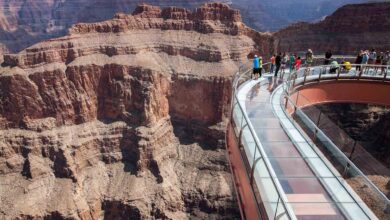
(288, 175)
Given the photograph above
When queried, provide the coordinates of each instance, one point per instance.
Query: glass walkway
(291, 178)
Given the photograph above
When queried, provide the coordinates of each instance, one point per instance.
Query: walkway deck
(312, 188)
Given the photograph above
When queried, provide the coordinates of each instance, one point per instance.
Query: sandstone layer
(124, 118)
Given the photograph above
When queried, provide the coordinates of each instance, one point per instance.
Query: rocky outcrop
(347, 31)
(368, 125)
(123, 118)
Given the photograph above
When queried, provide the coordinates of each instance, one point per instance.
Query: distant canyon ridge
(24, 23)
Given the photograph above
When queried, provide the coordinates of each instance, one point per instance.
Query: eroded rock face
(347, 31)
(123, 118)
(364, 123)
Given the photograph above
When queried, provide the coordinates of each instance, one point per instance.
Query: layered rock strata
(347, 31)
(123, 118)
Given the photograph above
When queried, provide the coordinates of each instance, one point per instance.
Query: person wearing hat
(309, 57)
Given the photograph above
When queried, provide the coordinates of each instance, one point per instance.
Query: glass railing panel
(278, 211)
(266, 188)
(237, 117)
(249, 144)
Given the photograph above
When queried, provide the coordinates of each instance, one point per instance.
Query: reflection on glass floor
(311, 190)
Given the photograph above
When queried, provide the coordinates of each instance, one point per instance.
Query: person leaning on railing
(334, 66)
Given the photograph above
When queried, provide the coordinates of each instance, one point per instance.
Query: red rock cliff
(123, 117)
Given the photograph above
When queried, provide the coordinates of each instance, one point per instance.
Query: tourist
(386, 58)
(309, 57)
(256, 67)
(333, 66)
(284, 62)
(292, 62)
(378, 61)
(260, 66)
(346, 66)
(372, 57)
(328, 56)
(385, 61)
(272, 64)
(359, 60)
(297, 63)
(365, 57)
(278, 63)
(379, 58)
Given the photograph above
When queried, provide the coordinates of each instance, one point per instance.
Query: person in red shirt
(298, 63)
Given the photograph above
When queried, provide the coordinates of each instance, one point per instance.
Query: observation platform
(286, 175)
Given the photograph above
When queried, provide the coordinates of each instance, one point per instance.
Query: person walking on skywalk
(257, 66)
(278, 63)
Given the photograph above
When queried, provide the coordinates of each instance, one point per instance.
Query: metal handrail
(341, 75)
(288, 92)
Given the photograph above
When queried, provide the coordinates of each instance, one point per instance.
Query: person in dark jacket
(359, 60)
(278, 63)
(328, 56)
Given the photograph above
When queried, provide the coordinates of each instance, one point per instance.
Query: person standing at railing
(272, 64)
(292, 62)
(378, 60)
(386, 61)
(284, 63)
(386, 58)
(358, 61)
(309, 57)
(334, 66)
(256, 67)
(278, 63)
(328, 56)
(297, 63)
(372, 57)
(365, 57)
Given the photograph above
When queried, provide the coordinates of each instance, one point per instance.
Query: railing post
(277, 206)
(296, 102)
(285, 106)
(294, 78)
(240, 135)
(253, 169)
(319, 76)
(361, 72)
(338, 73)
(232, 113)
(317, 127)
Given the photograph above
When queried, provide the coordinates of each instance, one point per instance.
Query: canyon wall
(124, 118)
(347, 31)
(24, 23)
